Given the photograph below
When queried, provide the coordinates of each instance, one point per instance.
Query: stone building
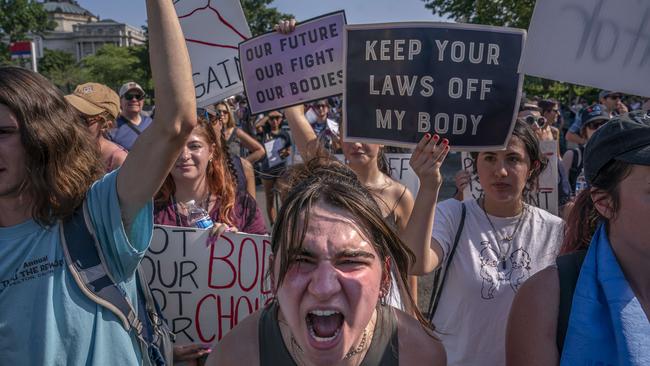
(81, 33)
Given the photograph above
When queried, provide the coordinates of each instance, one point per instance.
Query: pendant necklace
(506, 239)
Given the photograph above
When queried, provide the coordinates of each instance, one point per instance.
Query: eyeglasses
(91, 120)
(133, 96)
(537, 121)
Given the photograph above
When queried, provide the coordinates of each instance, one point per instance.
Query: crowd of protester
(514, 283)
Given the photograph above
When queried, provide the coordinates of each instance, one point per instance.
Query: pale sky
(356, 11)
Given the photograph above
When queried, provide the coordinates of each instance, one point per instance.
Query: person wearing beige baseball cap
(99, 106)
(131, 121)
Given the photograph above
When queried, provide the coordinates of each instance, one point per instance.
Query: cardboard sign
(603, 44)
(545, 197)
(203, 290)
(213, 29)
(400, 170)
(283, 70)
(460, 81)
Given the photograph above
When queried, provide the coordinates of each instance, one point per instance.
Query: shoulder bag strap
(568, 268)
(441, 276)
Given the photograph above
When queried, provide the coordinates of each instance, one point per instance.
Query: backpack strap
(568, 268)
(87, 266)
(440, 276)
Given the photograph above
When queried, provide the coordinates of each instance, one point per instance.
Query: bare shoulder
(232, 350)
(532, 325)
(416, 345)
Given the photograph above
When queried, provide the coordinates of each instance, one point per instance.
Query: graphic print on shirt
(514, 272)
(32, 269)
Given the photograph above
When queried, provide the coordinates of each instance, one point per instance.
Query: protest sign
(400, 170)
(460, 81)
(281, 70)
(603, 44)
(546, 194)
(212, 31)
(204, 291)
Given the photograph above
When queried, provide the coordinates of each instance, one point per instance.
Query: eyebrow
(346, 253)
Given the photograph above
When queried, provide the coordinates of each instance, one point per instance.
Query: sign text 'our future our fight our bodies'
(205, 290)
(406, 79)
(281, 70)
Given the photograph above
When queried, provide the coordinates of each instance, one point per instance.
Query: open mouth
(324, 325)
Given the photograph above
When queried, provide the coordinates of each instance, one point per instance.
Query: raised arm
(425, 161)
(303, 135)
(155, 151)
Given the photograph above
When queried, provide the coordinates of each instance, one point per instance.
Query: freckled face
(12, 155)
(330, 291)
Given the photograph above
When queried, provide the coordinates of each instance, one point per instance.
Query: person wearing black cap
(606, 321)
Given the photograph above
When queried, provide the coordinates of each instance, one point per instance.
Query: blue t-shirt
(124, 133)
(45, 319)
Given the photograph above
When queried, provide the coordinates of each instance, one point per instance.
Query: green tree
(61, 69)
(114, 66)
(508, 13)
(261, 18)
(18, 19)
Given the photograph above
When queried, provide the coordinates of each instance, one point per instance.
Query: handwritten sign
(460, 81)
(544, 197)
(204, 291)
(213, 29)
(603, 44)
(400, 170)
(282, 70)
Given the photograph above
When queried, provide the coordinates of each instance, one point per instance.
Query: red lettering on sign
(214, 259)
(256, 266)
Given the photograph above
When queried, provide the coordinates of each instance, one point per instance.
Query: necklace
(506, 239)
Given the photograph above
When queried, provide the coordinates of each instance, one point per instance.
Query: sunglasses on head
(532, 120)
(133, 96)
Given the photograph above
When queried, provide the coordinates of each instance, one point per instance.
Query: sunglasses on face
(538, 121)
(133, 96)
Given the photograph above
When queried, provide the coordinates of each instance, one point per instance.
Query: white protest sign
(545, 197)
(400, 170)
(603, 44)
(204, 291)
(281, 70)
(213, 30)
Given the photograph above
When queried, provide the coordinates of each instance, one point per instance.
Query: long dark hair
(327, 180)
(583, 218)
(62, 158)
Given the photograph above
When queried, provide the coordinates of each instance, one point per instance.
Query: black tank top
(384, 349)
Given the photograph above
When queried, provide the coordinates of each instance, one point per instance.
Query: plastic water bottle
(197, 216)
(581, 183)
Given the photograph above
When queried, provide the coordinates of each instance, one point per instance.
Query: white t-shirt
(473, 311)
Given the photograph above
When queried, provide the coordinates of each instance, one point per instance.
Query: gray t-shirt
(474, 305)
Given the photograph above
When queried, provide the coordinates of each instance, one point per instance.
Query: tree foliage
(508, 13)
(114, 66)
(260, 16)
(61, 69)
(18, 18)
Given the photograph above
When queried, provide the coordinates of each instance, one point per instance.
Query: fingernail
(445, 141)
(436, 138)
(427, 136)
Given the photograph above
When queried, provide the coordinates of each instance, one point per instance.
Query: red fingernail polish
(445, 141)
(427, 136)
(436, 137)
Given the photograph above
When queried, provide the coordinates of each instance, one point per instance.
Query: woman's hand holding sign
(426, 160)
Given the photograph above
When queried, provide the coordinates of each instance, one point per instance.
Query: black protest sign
(280, 70)
(403, 80)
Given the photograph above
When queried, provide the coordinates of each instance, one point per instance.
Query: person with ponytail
(606, 320)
